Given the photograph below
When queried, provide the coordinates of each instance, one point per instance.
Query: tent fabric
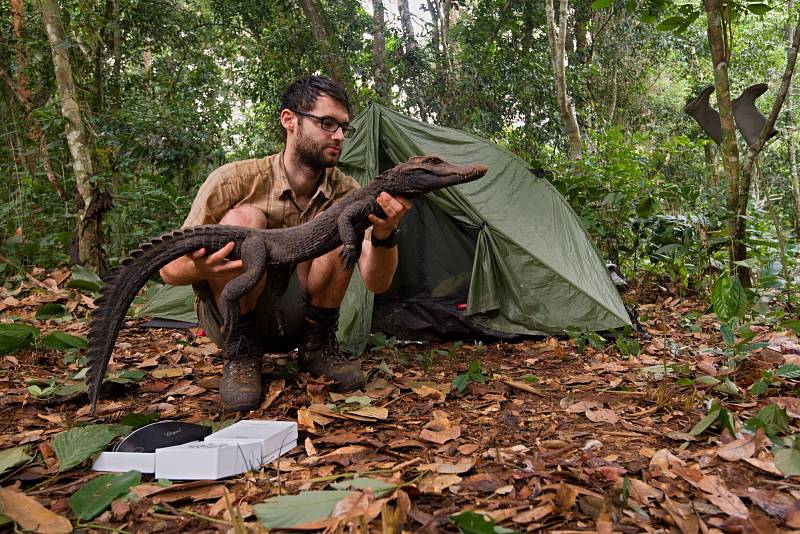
(535, 270)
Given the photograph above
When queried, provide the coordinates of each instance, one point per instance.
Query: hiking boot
(240, 387)
(319, 355)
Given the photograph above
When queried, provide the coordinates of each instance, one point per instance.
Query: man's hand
(394, 208)
(216, 265)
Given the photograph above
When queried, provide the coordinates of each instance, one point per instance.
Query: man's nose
(339, 134)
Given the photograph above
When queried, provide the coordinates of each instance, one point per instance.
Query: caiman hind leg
(254, 256)
(240, 387)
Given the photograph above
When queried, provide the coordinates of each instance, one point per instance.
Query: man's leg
(319, 354)
(240, 387)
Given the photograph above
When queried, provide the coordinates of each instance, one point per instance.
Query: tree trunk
(556, 37)
(412, 61)
(91, 202)
(729, 148)
(379, 50)
(711, 163)
(325, 36)
(790, 146)
(758, 145)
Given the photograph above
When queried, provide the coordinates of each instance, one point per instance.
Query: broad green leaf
(758, 9)
(136, 420)
(706, 421)
(472, 523)
(126, 377)
(12, 457)
(792, 324)
(728, 298)
(379, 488)
(788, 461)
(461, 382)
(706, 380)
(790, 370)
(83, 278)
(601, 4)
(728, 387)
(61, 341)
(772, 418)
(97, 494)
(727, 333)
(286, 511)
(77, 444)
(16, 336)
(759, 388)
(670, 24)
(50, 310)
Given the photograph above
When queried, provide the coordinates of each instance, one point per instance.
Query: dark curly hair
(303, 92)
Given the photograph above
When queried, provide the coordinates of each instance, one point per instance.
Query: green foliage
(286, 511)
(96, 495)
(78, 444)
(716, 415)
(771, 418)
(474, 374)
(16, 336)
(584, 338)
(13, 457)
(474, 523)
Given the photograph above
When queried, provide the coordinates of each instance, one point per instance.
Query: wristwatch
(389, 242)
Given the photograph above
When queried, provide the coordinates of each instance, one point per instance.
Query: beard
(313, 153)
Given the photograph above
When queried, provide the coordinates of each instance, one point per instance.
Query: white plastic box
(243, 446)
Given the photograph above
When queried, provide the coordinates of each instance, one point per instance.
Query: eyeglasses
(329, 124)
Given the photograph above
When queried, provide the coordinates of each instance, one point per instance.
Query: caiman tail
(125, 281)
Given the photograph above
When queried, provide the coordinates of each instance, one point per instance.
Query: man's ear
(288, 120)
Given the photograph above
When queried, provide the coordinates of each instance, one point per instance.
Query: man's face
(316, 147)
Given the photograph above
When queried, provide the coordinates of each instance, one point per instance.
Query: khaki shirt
(263, 184)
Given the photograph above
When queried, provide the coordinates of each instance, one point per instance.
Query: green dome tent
(505, 253)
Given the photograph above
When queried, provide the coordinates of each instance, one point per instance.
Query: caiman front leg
(352, 236)
(254, 255)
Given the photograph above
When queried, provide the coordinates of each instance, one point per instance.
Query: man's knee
(248, 216)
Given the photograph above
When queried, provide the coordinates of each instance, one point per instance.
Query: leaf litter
(536, 436)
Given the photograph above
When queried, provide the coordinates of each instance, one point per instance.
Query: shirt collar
(282, 185)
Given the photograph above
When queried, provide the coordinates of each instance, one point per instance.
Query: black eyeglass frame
(347, 129)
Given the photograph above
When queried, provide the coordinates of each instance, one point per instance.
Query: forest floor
(554, 439)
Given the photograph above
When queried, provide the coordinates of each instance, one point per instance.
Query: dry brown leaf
(661, 463)
(30, 515)
(581, 406)
(276, 387)
(683, 515)
(438, 483)
(640, 491)
(168, 372)
(603, 415)
(427, 389)
(714, 490)
(538, 513)
(468, 448)
(440, 431)
(310, 449)
(738, 449)
(379, 388)
(344, 456)
(767, 466)
(185, 491)
(566, 496)
(459, 468)
(771, 501)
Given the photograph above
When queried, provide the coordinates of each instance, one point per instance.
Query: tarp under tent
(503, 255)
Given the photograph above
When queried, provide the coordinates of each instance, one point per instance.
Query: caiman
(272, 251)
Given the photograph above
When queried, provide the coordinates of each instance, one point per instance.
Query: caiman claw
(349, 255)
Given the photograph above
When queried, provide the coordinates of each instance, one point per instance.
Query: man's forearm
(377, 266)
(180, 272)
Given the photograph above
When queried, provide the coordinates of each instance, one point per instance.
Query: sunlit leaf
(77, 444)
(13, 457)
(286, 511)
(474, 523)
(83, 278)
(788, 461)
(16, 336)
(97, 494)
(61, 341)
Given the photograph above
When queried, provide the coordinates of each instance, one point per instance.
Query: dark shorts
(292, 310)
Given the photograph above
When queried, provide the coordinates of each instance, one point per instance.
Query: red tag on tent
(461, 306)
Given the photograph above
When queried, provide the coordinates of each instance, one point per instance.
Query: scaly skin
(273, 251)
